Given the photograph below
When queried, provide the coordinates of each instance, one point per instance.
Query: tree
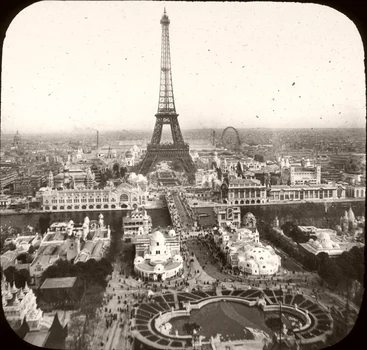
(78, 333)
(11, 246)
(274, 180)
(291, 230)
(44, 222)
(91, 301)
(330, 272)
(274, 323)
(190, 327)
(31, 250)
(352, 264)
(17, 276)
(259, 158)
(91, 272)
(310, 262)
(123, 171)
(322, 258)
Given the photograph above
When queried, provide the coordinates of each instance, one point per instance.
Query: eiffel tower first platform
(177, 150)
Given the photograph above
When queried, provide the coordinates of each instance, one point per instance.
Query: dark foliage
(91, 272)
(17, 276)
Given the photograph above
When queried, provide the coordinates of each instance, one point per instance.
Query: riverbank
(41, 221)
(195, 203)
(322, 214)
(160, 204)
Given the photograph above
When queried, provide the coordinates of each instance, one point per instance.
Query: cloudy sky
(69, 65)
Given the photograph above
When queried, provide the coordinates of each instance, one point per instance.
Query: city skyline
(301, 68)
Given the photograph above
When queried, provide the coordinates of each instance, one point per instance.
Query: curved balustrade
(316, 322)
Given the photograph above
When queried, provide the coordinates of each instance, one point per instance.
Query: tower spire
(166, 100)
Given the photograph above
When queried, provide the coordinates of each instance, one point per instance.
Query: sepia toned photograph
(182, 175)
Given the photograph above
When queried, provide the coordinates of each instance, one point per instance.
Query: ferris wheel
(230, 138)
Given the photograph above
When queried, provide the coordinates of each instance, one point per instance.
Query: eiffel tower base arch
(171, 152)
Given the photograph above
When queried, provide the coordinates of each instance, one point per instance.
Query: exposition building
(138, 222)
(122, 196)
(27, 320)
(244, 250)
(74, 242)
(158, 256)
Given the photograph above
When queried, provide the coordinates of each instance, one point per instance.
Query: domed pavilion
(158, 256)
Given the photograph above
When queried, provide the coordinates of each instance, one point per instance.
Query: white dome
(138, 260)
(327, 245)
(323, 236)
(316, 244)
(248, 215)
(157, 236)
(258, 254)
(158, 268)
(141, 178)
(172, 233)
(177, 258)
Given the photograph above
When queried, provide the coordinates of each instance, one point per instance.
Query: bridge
(182, 215)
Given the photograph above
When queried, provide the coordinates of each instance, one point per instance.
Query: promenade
(208, 204)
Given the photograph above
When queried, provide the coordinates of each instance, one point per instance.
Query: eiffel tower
(166, 115)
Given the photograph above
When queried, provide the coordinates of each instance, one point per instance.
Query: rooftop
(306, 186)
(62, 282)
(37, 338)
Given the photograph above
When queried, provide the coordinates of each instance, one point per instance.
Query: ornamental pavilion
(158, 256)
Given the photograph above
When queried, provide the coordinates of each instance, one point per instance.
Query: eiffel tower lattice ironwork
(166, 115)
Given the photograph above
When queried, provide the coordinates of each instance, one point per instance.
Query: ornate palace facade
(122, 196)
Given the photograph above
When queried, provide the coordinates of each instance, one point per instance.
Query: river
(41, 221)
(315, 214)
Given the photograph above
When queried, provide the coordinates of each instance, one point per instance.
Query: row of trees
(347, 266)
(292, 231)
(191, 327)
(17, 276)
(92, 272)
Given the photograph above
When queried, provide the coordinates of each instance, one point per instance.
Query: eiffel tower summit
(178, 150)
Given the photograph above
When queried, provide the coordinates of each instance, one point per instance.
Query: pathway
(186, 221)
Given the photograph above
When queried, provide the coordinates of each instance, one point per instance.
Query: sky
(70, 66)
